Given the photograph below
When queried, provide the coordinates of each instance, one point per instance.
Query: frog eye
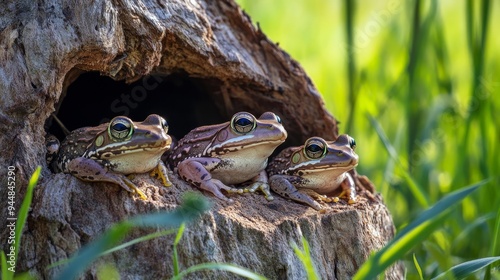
(120, 128)
(352, 143)
(278, 119)
(243, 123)
(315, 148)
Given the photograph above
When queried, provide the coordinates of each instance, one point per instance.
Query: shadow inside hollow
(183, 101)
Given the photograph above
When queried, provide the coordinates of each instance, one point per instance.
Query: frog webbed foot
(215, 186)
(320, 197)
(262, 186)
(89, 170)
(282, 186)
(259, 182)
(351, 199)
(131, 187)
(194, 171)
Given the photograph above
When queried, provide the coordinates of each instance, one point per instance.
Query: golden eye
(243, 123)
(120, 128)
(315, 148)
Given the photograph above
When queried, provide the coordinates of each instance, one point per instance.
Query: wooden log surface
(211, 47)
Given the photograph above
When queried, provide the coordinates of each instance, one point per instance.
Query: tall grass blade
(413, 234)
(350, 7)
(496, 236)
(6, 274)
(22, 215)
(25, 207)
(436, 109)
(477, 49)
(175, 256)
(124, 245)
(442, 205)
(467, 230)
(412, 112)
(180, 232)
(220, 266)
(138, 240)
(467, 268)
(417, 267)
(92, 251)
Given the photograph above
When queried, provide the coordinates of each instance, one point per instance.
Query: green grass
(192, 207)
(306, 259)
(22, 215)
(181, 274)
(416, 83)
(110, 241)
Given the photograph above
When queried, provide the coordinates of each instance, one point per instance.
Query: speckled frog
(112, 150)
(215, 156)
(315, 170)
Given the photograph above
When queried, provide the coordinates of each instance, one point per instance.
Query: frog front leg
(90, 170)
(196, 171)
(160, 171)
(260, 182)
(282, 185)
(348, 189)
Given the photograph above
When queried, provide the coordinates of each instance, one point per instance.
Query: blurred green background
(426, 74)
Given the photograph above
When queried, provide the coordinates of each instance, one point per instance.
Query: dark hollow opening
(185, 102)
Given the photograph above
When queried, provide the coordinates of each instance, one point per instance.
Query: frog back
(195, 143)
(76, 144)
(281, 163)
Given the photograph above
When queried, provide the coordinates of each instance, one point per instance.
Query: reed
(416, 84)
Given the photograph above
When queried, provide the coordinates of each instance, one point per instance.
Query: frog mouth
(235, 145)
(158, 146)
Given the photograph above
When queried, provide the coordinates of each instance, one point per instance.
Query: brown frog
(317, 168)
(215, 156)
(112, 150)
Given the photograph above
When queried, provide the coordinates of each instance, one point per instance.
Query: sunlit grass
(438, 111)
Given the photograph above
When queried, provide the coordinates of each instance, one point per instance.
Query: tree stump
(195, 63)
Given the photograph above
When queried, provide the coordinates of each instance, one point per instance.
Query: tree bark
(45, 46)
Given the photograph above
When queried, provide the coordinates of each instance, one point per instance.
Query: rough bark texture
(46, 45)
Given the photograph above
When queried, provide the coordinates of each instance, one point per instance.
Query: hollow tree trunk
(210, 47)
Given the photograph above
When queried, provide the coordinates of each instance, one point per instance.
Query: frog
(110, 151)
(315, 170)
(215, 157)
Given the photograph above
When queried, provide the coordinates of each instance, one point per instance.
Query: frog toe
(164, 179)
(263, 187)
(160, 172)
(236, 190)
(141, 194)
(283, 187)
(215, 187)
